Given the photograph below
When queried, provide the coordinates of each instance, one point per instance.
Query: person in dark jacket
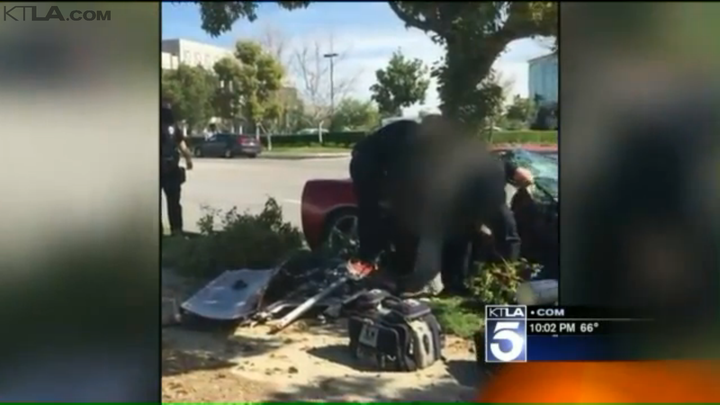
(172, 175)
(440, 187)
(499, 219)
(374, 160)
(463, 189)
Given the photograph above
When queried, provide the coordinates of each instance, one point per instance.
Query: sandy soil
(306, 362)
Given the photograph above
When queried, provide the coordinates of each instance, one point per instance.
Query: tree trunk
(467, 64)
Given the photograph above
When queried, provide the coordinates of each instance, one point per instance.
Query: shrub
(498, 283)
(240, 240)
(347, 139)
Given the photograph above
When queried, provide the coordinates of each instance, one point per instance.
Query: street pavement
(247, 183)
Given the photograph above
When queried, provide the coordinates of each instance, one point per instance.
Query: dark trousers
(367, 180)
(171, 184)
(505, 233)
(451, 254)
(456, 259)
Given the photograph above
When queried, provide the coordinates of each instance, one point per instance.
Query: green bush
(347, 139)
(542, 137)
(498, 283)
(491, 284)
(243, 241)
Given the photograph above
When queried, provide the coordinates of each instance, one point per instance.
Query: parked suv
(228, 146)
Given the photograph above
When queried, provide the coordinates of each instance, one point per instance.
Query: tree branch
(408, 20)
(519, 25)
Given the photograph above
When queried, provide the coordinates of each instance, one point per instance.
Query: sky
(365, 33)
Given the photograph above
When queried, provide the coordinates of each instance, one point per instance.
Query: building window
(186, 57)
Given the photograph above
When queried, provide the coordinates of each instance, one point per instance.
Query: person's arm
(519, 176)
(185, 152)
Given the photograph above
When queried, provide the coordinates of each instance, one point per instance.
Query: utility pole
(332, 56)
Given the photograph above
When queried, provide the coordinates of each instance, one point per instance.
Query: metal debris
(276, 296)
(234, 295)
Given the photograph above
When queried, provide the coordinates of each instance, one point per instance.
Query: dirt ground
(306, 362)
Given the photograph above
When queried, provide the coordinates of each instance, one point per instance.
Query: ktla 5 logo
(506, 332)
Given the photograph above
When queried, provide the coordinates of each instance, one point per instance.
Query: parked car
(329, 211)
(228, 146)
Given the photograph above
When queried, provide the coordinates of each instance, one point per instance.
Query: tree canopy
(520, 110)
(249, 85)
(355, 115)
(474, 35)
(190, 89)
(227, 97)
(402, 83)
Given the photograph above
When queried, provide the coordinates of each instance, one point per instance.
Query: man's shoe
(359, 268)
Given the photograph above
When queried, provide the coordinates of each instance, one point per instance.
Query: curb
(301, 156)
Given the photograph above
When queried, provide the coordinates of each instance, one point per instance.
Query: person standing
(172, 175)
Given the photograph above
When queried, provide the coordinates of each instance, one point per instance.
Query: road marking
(292, 201)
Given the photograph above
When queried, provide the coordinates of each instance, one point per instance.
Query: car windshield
(544, 167)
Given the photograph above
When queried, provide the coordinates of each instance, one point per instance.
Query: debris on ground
(277, 296)
(309, 361)
(233, 296)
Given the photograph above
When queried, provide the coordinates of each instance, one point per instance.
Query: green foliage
(243, 241)
(249, 85)
(497, 284)
(227, 96)
(260, 77)
(401, 84)
(218, 17)
(290, 111)
(190, 90)
(458, 316)
(350, 138)
(474, 35)
(521, 109)
(492, 284)
(493, 94)
(352, 114)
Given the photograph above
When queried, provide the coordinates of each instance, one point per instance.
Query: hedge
(347, 139)
(350, 138)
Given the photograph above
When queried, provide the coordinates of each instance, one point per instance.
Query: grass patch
(458, 316)
(490, 284)
(309, 149)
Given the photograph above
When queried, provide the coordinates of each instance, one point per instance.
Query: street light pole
(332, 56)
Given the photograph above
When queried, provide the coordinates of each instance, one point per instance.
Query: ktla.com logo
(31, 13)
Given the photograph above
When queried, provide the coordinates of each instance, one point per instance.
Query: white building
(168, 61)
(543, 78)
(177, 51)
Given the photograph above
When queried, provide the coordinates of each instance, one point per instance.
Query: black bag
(390, 334)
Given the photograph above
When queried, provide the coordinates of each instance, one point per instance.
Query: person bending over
(375, 160)
(463, 189)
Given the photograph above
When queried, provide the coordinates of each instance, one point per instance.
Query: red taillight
(246, 141)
